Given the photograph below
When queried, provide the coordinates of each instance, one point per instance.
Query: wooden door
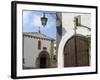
(76, 52)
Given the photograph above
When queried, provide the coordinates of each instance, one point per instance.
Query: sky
(32, 22)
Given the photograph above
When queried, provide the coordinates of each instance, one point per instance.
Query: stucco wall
(68, 31)
(68, 23)
(31, 51)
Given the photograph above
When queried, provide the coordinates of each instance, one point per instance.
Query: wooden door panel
(80, 57)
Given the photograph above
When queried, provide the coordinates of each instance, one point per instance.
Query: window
(39, 44)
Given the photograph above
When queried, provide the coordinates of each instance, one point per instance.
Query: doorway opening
(44, 60)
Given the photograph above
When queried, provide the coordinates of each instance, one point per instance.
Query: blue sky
(32, 22)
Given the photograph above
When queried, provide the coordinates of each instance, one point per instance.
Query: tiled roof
(37, 34)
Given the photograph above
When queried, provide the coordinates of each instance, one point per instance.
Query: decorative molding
(35, 37)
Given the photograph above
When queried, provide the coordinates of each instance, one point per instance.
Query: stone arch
(43, 60)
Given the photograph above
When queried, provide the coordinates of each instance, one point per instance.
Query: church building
(38, 50)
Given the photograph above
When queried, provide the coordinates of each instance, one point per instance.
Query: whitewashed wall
(68, 23)
(68, 31)
(31, 51)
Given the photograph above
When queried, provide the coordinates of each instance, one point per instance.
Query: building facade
(74, 44)
(38, 50)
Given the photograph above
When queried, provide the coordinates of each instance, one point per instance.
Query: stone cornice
(37, 37)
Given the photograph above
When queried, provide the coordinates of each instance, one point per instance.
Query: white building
(37, 50)
(68, 24)
(70, 53)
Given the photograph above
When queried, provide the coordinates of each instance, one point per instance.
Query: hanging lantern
(44, 20)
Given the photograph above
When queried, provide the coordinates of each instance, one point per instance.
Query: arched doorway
(44, 60)
(76, 51)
